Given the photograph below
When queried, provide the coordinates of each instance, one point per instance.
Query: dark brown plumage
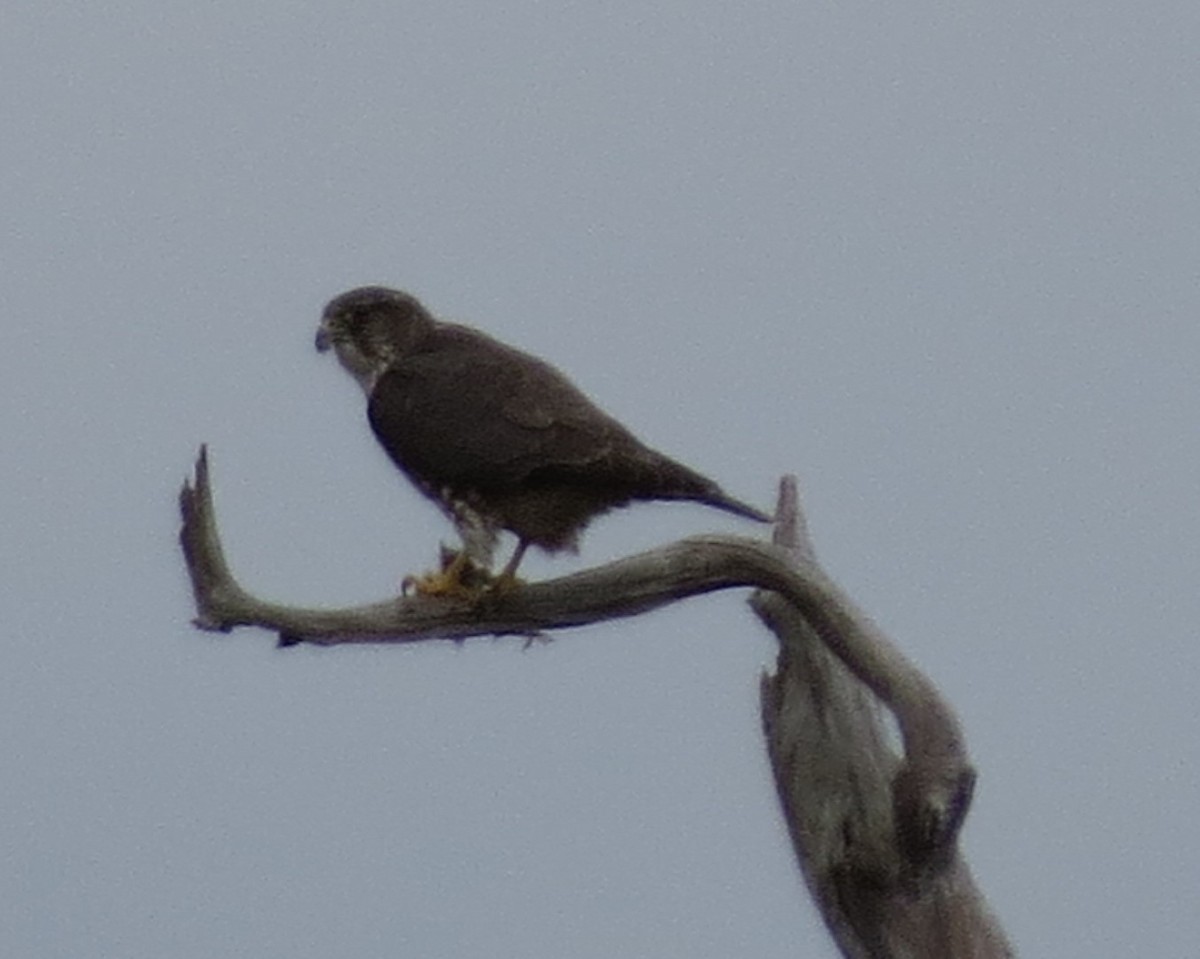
(498, 438)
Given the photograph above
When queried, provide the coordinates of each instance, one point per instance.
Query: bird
(497, 438)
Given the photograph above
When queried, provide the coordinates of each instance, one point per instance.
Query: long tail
(721, 500)
(681, 483)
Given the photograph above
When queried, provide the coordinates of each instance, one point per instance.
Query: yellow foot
(504, 584)
(458, 578)
(507, 581)
(496, 590)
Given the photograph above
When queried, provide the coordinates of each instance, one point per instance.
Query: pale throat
(366, 372)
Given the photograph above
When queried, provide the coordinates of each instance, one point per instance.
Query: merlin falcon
(497, 438)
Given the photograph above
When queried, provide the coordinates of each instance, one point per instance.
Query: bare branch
(848, 799)
(881, 832)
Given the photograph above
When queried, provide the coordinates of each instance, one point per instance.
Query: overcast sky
(940, 260)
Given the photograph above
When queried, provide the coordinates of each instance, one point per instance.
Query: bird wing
(468, 410)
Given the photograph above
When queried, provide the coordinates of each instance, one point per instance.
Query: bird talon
(504, 584)
(459, 578)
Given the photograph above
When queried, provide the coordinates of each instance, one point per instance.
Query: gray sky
(942, 261)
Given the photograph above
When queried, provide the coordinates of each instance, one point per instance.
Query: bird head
(370, 328)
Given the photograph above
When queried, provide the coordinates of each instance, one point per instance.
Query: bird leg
(507, 579)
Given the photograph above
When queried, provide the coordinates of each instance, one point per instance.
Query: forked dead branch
(876, 834)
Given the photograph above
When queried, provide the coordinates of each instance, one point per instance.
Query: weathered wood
(839, 786)
(875, 833)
